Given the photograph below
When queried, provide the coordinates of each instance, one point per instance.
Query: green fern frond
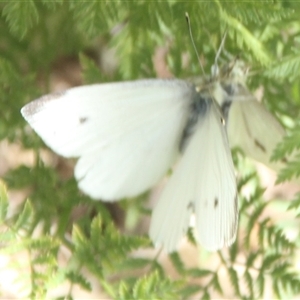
(104, 246)
(152, 286)
(269, 260)
(251, 258)
(234, 278)
(295, 203)
(276, 237)
(24, 220)
(134, 263)
(260, 284)
(3, 202)
(79, 279)
(250, 283)
(90, 71)
(190, 291)
(258, 12)
(292, 170)
(216, 283)
(285, 285)
(177, 262)
(91, 16)
(21, 16)
(269, 32)
(53, 4)
(287, 68)
(41, 250)
(199, 272)
(234, 250)
(289, 143)
(253, 220)
(244, 36)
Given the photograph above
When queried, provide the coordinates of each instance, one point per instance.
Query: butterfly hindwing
(203, 183)
(252, 128)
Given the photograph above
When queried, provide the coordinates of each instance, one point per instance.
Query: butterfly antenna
(221, 47)
(215, 68)
(192, 39)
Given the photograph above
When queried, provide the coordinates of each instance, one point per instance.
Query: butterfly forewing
(126, 134)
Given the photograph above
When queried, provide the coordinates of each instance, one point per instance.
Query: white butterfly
(127, 135)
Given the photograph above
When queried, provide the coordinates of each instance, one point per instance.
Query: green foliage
(287, 68)
(287, 151)
(20, 16)
(91, 73)
(39, 36)
(16, 237)
(152, 286)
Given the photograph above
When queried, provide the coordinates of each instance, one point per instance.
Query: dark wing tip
(35, 106)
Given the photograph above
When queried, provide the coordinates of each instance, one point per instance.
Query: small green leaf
(190, 290)
(216, 283)
(177, 262)
(3, 201)
(234, 280)
(25, 217)
(195, 272)
(91, 72)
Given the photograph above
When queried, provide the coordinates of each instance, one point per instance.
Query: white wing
(252, 128)
(203, 183)
(126, 135)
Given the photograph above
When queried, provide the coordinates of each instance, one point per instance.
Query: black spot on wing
(256, 142)
(83, 120)
(191, 206)
(216, 202)
(259, 145)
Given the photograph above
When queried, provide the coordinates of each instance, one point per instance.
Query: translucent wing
(204, 184)
(126, 135)
(252, 128)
